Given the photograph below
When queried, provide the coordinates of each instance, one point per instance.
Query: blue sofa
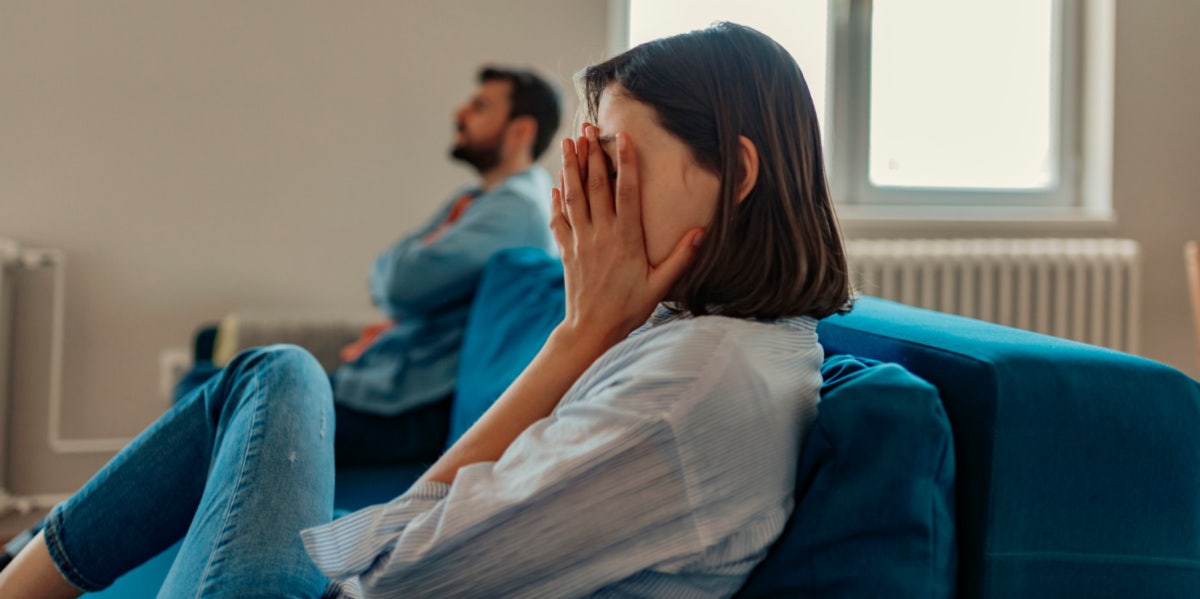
(950, 457)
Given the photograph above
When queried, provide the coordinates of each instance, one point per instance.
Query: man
(393, 392)
(393, 398)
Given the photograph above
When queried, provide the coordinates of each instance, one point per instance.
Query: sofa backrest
(518, 303)
(1077, 467)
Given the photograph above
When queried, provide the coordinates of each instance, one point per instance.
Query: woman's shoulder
(776, 357)
(681, 337)
(686, 360)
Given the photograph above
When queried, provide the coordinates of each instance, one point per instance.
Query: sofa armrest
(1076, 471)
(321, 333)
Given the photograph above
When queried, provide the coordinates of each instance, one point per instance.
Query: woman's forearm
(532, 396)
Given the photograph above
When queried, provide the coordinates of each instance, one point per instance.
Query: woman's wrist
(583, 341)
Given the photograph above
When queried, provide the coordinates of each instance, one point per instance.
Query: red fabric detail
(459, 207)
(355, 349)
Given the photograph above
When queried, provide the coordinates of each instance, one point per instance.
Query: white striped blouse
(667, 470)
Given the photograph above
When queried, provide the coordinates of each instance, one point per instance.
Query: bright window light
(962, 95)
(800, 26)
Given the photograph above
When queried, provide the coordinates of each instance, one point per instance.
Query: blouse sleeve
(553, 516)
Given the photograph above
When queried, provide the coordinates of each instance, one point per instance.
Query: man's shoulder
(530, 185)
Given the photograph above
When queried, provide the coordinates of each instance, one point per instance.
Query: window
(799, 26)
(935, 105)
(977, 117)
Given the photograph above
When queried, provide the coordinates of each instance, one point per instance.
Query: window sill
(958, 219)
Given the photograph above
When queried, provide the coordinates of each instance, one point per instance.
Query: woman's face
(677, 193)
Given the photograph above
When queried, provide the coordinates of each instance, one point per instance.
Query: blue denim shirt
(428, 289)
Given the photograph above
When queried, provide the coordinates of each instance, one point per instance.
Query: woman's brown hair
(778, 252)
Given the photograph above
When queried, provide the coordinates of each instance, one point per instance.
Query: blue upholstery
(876, 478)
(524, 291)
(1077, 467)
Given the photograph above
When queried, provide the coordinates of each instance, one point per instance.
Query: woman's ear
(747, 167)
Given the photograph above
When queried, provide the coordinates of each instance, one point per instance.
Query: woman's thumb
(663, 276)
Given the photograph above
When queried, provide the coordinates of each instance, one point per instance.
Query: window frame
(1083, 49)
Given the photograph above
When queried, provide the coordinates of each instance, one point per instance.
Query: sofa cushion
(518, 303)
(874, 512)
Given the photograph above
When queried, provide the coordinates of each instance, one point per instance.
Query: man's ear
(522, 131)
(747, 167)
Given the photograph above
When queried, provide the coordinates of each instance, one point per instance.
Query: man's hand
(435, 234)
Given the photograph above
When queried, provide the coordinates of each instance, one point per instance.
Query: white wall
(196, 157)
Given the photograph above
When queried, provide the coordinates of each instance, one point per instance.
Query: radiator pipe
(36, 259)
(57, 260)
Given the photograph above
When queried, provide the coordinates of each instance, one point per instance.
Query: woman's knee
(288, 369)
(281, 357)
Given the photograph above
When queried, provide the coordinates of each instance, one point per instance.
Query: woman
(646, 450)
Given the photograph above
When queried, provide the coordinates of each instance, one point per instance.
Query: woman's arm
(551, 518)
(531, 397)
(610, 290)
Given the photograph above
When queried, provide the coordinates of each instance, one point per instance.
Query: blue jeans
(236, 469)
(415, 436)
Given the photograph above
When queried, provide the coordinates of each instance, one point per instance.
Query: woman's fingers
(559, 225)
(611, 286)
(573, 194)
(562, 184)
(663, 276)
(600, 197)
(628, 202)
(581, 151)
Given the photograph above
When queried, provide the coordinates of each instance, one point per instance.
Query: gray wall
(193, 158)
(1156, 181)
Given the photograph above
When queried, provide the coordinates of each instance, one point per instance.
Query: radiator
(1081, 289)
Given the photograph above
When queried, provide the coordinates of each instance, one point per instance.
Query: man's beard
(484, 156)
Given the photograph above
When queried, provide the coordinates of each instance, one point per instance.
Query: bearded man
(394, 391)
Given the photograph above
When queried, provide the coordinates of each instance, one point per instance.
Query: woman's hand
(611, 287)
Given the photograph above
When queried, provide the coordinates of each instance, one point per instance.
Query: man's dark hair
(531, 96)
(778, 252)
